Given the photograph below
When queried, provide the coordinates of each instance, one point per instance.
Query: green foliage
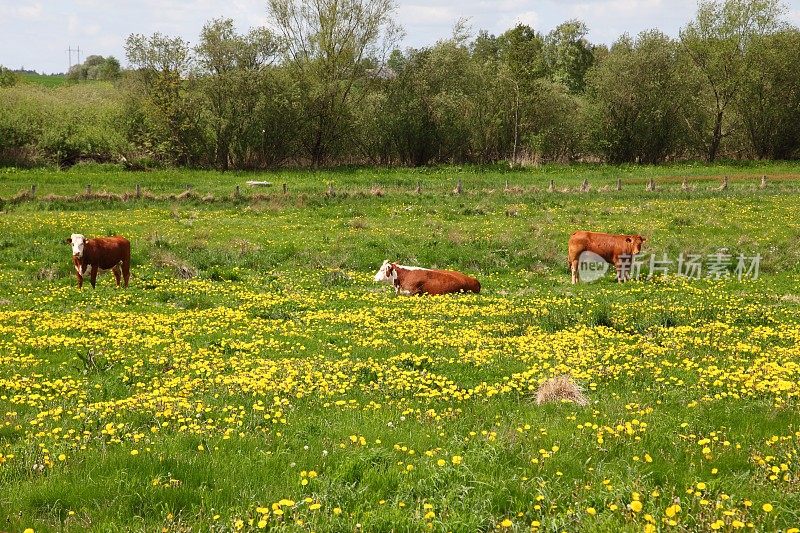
(236, 79)
(641, 96)
(321, 91)
(60, 126)
(95, 68)
(770, 96)
(717, 42)
(569, 54)
(7, 77)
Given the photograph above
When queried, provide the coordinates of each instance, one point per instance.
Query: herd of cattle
(102, 254)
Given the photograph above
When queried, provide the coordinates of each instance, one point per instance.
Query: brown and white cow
(101, 254)
(415, 280)
(611, 248)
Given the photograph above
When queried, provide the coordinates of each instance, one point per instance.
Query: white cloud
(500, 6)
(26, 11)
(31, 11)
(410, 14)
(531, 18)
(587, 10)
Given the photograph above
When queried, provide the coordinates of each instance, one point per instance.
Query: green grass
(280, 355)
(45, 80)
(111, 178)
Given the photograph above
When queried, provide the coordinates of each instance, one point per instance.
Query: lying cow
(415, 280)
(612, 248)
(101, 255)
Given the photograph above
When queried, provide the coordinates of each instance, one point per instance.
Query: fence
(139, 193)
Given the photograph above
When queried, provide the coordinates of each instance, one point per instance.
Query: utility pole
(69, 51)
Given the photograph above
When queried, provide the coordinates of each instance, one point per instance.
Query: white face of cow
(386, 273)
(77, 241)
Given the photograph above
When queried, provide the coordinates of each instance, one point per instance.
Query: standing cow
(610, 247)
(415, 280)
(101, 255)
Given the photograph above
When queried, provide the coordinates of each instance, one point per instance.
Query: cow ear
(628, 239)
(68, 240)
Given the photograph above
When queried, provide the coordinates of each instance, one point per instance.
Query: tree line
(328, 85)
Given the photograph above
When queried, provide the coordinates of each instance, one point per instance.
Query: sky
(35, 34)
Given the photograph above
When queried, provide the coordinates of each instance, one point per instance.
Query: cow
(101, 254)
(414, 281)
(612, 248)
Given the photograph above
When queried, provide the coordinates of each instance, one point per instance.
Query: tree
(330, 47)
(163, 67)
(717, 42)
(769, 100)
(522, 50)
(640, 96)
(95, 68)
(569, 54)
(110, 69)
(233, 68)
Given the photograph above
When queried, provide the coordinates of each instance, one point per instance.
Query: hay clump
(558, 389)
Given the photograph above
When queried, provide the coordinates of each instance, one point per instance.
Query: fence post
(284, 189)
(331, 191)
(88, 189)
(585, 185)
(552, 186)
(724, 185)
(506, 189)
(237, 192)
(651, 185)
(33, 191)
(459, 187)
(418, 190)
(619, 184)
(763, 184)
(138, 190)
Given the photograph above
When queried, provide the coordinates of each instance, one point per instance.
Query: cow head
(386, 273)
(77, 241)
(635, 242)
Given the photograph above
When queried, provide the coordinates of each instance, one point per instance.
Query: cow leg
(574, 268)
(117, 274)
(126, 271)
(80, 280)
(622, 276)
(93, 275)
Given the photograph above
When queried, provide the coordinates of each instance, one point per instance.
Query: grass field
(45, 80)
(253, 376)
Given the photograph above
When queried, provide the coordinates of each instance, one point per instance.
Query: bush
(63, 125)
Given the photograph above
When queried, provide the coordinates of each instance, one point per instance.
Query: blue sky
(36, 34)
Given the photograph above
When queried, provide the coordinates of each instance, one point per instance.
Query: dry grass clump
(560, 388)
(180, 268)
(188, 194)
(358, 223)
(47, 273)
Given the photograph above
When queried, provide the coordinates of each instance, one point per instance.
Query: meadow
(254, 377)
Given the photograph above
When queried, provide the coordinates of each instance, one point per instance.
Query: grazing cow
(610, 247)
(415, 280)
(101, 254)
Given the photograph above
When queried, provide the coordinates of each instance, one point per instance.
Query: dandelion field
(254, 377)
